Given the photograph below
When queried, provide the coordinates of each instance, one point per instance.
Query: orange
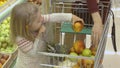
(0, 65)
(79, 46)
(78, 26)
(2, 60)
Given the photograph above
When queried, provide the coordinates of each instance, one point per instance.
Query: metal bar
(64, 55)
(100, 45)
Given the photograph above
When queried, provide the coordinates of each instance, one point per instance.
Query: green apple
(3, 26)
(4, 45)
(0, 43)
(6, 32)
(7, 39)
(5, 22)
(2, 39)
(73, 58)
(7, 27)
(0, 27)
(8, 51)
(2, 49)
(87, 52)
(3, 34)
(8, 19)
(7, 35)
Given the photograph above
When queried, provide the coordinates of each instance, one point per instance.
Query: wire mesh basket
(64, 59)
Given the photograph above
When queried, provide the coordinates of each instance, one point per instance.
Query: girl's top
(28, 56)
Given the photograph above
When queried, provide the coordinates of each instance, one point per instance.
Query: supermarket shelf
(14, 62)
(4, 13)
(11, 59)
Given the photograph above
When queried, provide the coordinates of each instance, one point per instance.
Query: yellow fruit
(73, 58)
(5, 57)
(0, 65)
(79, 46)
(87, 63)
(2, 60)
(72, 49)
(93, 49)
(78, 26)
(1, 3)
(5, 1)
(79, 61)
(76, 66)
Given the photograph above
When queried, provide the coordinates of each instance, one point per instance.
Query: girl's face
(37, 25)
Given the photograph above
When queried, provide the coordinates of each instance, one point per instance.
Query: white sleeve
(57, 17)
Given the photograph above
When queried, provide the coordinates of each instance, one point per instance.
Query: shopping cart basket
(80, 9)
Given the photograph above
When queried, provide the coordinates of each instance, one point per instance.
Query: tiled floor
(112, 59)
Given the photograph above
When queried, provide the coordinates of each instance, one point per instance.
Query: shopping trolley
(57, 60)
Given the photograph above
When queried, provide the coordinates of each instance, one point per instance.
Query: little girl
(28, 30)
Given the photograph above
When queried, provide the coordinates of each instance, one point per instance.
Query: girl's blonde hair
(21, 16)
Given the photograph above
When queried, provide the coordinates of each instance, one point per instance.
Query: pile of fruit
(3, 59)
(2, 2)
(79, 49)
(5, 45)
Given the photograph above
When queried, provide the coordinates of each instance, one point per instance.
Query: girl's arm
(23, 44)
(61, 17)
(28, 47)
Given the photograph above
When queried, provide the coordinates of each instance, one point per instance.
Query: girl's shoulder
(21, 39)
(24, 44)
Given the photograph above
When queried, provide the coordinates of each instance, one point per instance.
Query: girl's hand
(41, 30)
(76, 18)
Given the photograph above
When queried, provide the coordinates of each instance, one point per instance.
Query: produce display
(3, 59)
(5, 45)
(2, 2)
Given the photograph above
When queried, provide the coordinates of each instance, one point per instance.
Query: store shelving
(6, 9)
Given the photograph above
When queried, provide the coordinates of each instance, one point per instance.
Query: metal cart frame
(61, 5)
